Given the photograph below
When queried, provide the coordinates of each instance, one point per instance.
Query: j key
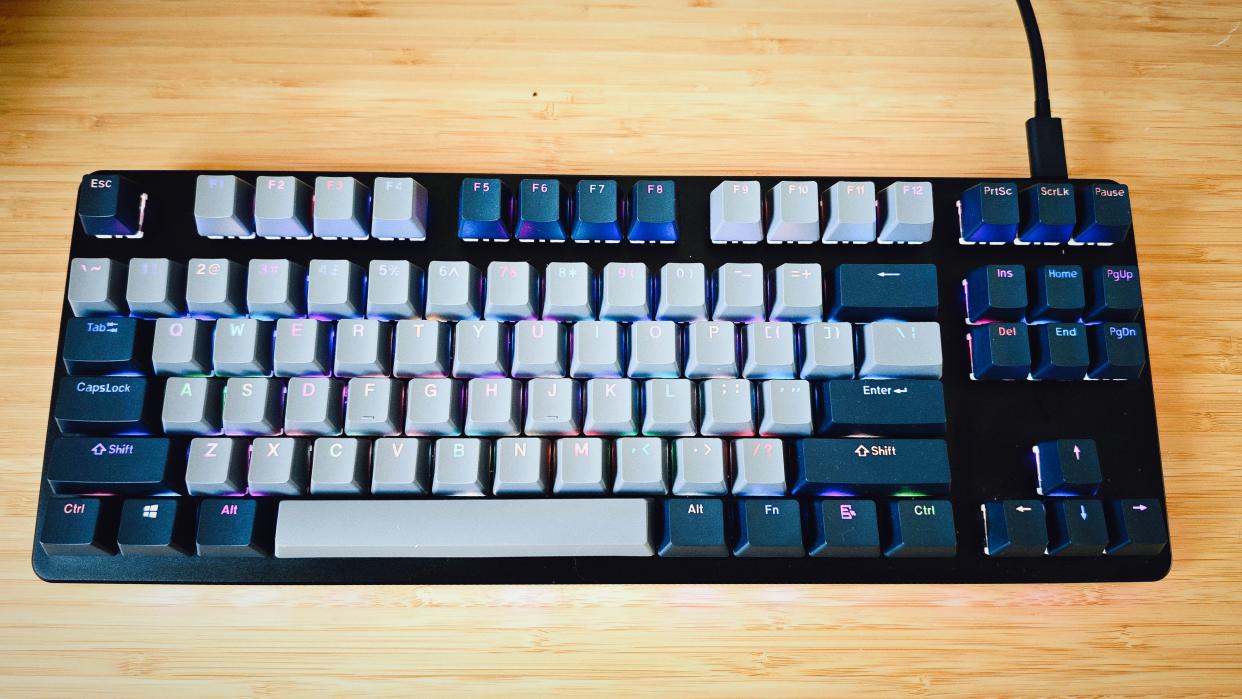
(900, 467)
(339, 466)
(654, 208)
(737, 212)
(192, 405)
(739, 292)
(921, 529)
(522, 466)
(845, 529)
(480, 215)
(1048, 213)
(1067, 467)
(1138, 528)
(1117, 350)
(452, 291)
(581, 466)
(827, 351)
(282, 207)
(275, 289)
(1015, 528)
(108, 205)
(234, 527)
(1000, 352)
(851, 213)
(96, 286)
(798, 293)
(155, 527)
(996, 292)
(874, 292)
(105, 346)
(896, 407)
(624, 292)
(156, 287)
(394, 290)
(1058, 293)
(215, 287)
(1078, 528)
(553, 407)
(399, 209)
(1104, 213)
(901, 350)
(989, 212)
(1060, 351)
(182, 347)
(278, 466)
(216, 466)
(759, 466)
(795, 212)
(769, 527)
(252, 406)
(302, 347)
(512, 291)
(683, 292)
(78, 527)
(595, 211)
(694, 527)
(568, 293)
(363, 348)
(640, 466)
(224, 206)
(115, 465)
(539, 210)
(104, 405)
(909, 213)
(1115, 293)
(334, 289)
(313, 406)
(341, 208)
(401, 466)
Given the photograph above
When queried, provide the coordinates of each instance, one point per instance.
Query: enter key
(883, 408)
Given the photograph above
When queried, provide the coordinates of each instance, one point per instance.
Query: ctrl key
(922, 529)
(78, 527)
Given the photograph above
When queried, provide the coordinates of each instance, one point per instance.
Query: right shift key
(884, 407)
(874, 292)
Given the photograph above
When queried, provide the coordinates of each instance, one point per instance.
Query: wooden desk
(1150, 95)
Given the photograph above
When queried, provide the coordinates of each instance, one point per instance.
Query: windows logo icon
(150, 511)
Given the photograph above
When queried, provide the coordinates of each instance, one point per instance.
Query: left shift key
(104, 405)
(111, 465)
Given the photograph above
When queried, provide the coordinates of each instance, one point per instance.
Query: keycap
(1067, 467)
(1015, 528)
(1138, 528)
(1115, 293)
(770, 352)
(363, 348)
(711, 350)
(595, 211)
(739, 292)
(759, 466)
(909, 213)
(480, 215)
(694, 527)
(282, 207)
(275, 288)
(216, 466)
(845, 529)
(1060, 351)
(341, 208)
(654, 349)
(581, 466)
(989, 212)
(242, 347)
(669, 407)
(108, 205)
(103, 405)
(452, 291)
(624, 294)
(156, 287)
(769, 527)
(538, 349)
(464, 529)
(827, 351)
(334, 289)
(683, 292)
(698, 466)
(399, 209)
(568, 291)
(898, 350)
(1000, 352)
(493, 407)
(215, 287)
(77, 527)
(223, 206)
(373, 407)
(653, 212)
(887, 407)
(728, 407)
(96, 286)
(114, 465)
(302, 347)
(434, 407)
(278, 466)
(641, 466)
(539, 210)
(421, 348)
(313, 406)
(1077, 528)
(876, 292)
(552, 407)
(870, 466)
(798, 293)
(482, 349)
(234, 527)
(512, 291)
(155, 527)
(521, 466)
(1048, 213)
(252, 406)
(921, 529)
(1104, 213)
(461, 467)
(182, 346)
(105, 346)
(596, 349)
(401, 466)
(785, 408)
(339, 466)
(611, 407)
(1058, 293)
(736, 212)
(851, 213)
(795, 212)
(192, 405)
(1117, 351)
(394, 290)
(996, 293)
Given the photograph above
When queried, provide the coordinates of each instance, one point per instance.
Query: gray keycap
(596, 349)
(669, 407)
(898, 350)
(191, 406)
(683, 292)
(394, 290)
(736, 212)
(340, 210)
(156, 287)
(462, 467)
(373, 407)
(739, 292)
(279, 466)
(759, 467)
(339, 466)
(481, 349)
(242, 347)
(313, 406)
(511, 291)
(275, 288)
(828, 351)
(433, 407)
(641, 466)
(401, 466)
(223, 206)
(215, 287)
(624, 295)
(301, 347)
(581, 466)
(421, 348)
(538, 349)
(521, 466)
(727, 408)
(699, 467)
(282, 207)
(851, 213)
(363, 348)
(452, 291)
(770, 351)
(553, 407)
(798, 293)
(910, 213)
(216, 466)
(399, 209)
(181, 346)
(653, 349)
(711, 350)
(252, 406)
(795, 212)
(567, 291)
(493, 407)
(334, 289)
(785, 408)
(96, 286)
(610, 407)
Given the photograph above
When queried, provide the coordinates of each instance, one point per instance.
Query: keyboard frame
(989, 450)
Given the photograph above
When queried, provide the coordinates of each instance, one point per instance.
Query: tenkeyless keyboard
(433, 378)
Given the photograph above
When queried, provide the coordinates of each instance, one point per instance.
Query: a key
(1104, 210)
(216, 466)
(116, 465)
(909, 213)
(739, 292)
(624, 294)
(313, 406)
(106, 346)
(845, 529)
(876, 292)
(452, 291)
(1067, 467)
(770, 351)
(1058, 293)
(798, 294)
(401, 466)
(275, 289)
(363, 348)
(334, 289)
(373, 407)
(711, 350)
(539, 210)
(480, 215)
(641, 467)
(595, 211)
(769, 527)
(1115, 293)
(795, 212)
(1117, 351)
(552, 407)
(109, 205)
(421, 348)
(521, 466)
(234, 527)
(567, 291)
(898, 350)
(242, 347)
(77, 527)
(1048, 213)
(282, 207)
(538, 349)
(785, 408)
(399, 209)
(669, 407)
(827, 351)
(683, 292)
(154, 527)
(394, 289)
(215, 287)
(341, 208)
(156, 287)
(462, 467)
(223, 206)
(611, 407)
(996, 293)
(694, 527)
(433, 407)
(581, 466)
(759, 467)
(493, 407)
(1077, 528)
(103, 405)
(1138, 528)
(192, 405)
(1060, 351)
(851, 213)
(279, 466)
(252, 406)
(96, 286)
(868, 466)
(1000, 352)
(1014, 528)
(339, 466)
(654, 349)
(892, 407)
(512, 291)
(654, 212)
(736, 212)
(596, 350)
(301, 347)
(698, 467)
(728, 408)
(989, 212)
(921, 529)
(482, 349)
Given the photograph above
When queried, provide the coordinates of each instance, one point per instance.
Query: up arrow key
(1077, 453)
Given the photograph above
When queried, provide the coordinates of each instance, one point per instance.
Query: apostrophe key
(224, 207)
(539, 211)
(1067, 467)
(481, 211)
(1104, 213)
(596, 215)
(996, 292)
(990, 213)
(1015, 528)
(109, 205)
(1048, 213)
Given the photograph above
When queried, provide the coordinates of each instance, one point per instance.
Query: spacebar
(463, 528)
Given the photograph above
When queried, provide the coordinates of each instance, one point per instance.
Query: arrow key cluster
(1073, 527)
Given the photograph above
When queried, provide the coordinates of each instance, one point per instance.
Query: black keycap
(1067, 467)
(1138, 528)
(893, 407)
(846, 529)
(1078, 528)
(1115, 293)
(769, 527)
(155, 527)
(921, 529)
(234, 527)
(1015, 528)
(871, 467)
(1117, 351)
(1048, 213)
(1058, 293)
(1105, 210)
(539, 210)
(114, 465)
(1000, 352)
(989, 212)
(108, 205)
(996, 292)
(596, 215)
(78, 527)
(106, 345)
(1060, 352)
(653, 212)
(694, 527)
(480, 215)
(874, 292)
(102, 405)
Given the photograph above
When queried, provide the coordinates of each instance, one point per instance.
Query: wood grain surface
(1151, 94)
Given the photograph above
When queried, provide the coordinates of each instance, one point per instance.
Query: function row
(1045, 213)
(1053, 293)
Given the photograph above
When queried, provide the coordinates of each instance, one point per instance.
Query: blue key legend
(595, 212)
(654, 212)
(481, 214)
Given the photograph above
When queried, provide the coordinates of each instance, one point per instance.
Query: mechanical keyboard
(299, 377)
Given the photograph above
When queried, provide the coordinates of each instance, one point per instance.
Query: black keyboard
(443, 378)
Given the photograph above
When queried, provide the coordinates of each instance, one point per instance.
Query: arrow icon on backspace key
(888, 274)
